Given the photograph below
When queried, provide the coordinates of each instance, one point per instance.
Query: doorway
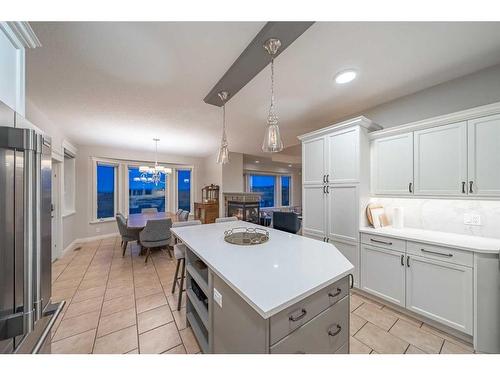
(57, 247)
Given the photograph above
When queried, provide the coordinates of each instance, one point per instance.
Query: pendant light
(272, 138)
(223, 155)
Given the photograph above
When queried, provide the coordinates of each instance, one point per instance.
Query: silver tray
(246, 236)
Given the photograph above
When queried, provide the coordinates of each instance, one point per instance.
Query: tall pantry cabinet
(335, 184)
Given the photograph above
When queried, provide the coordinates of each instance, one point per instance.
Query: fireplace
(246, 211)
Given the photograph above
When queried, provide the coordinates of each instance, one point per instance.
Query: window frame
(191, 190)
(127, 185)
(289, 190)
(69, 155)
(95, 163)
(278, 199)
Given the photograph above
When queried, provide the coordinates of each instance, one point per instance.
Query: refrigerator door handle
(55, 311)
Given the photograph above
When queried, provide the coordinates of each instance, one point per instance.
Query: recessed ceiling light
(257, 161)
(345, 76)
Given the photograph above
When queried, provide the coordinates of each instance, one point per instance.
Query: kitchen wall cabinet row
(457, 159)
(335, 183)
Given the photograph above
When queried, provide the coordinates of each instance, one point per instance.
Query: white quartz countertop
(271, 276)
(456, 241)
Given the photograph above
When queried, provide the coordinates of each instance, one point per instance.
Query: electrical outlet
(472, 219)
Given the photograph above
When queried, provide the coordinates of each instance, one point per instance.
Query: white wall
(232, 173)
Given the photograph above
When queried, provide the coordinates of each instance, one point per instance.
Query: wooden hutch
(208, 209)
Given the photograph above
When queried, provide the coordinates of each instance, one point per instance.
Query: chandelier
(223, 154)
(272, 138)
(152, 174)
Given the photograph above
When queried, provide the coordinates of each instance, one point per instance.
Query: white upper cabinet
(484, 156)
(313, 161)
(440, 160)
(314, 211)
(392, 165)
(343, 156)
(343, 213)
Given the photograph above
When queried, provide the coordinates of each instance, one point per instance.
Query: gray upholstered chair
(184, 215)
(126, 234)
(180, 255)
(150, 210)
(286, 221)
(226, 219)
(155, 234)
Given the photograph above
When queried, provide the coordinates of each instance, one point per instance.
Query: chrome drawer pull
(436, 253)
(298, 317)
(382, 242)
(333, 295)
(336, 332)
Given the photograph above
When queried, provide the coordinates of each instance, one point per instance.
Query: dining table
(139, 221)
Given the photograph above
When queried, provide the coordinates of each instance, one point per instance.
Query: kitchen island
(287, 295)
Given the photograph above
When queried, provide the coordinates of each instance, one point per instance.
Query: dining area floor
(120, 304)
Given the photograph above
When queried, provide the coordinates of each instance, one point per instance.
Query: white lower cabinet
(383, 273)
(351, 251)
(440, 291)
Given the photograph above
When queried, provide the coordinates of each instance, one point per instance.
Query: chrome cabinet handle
(410, 187)
(324, 189)
(336, 332)
(449, 255)
(327, 178)
(408, 261)
(470, 186)
(333, 295)
(382, 242)
(292, 318)
(324, 178)
(351, 276)
(327, 189)
(402, 260)
(463, 187)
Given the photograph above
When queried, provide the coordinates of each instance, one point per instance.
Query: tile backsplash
(446, 215)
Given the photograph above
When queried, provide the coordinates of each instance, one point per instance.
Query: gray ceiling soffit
(255, 58)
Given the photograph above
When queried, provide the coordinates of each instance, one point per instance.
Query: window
(69, 183)
(145, 194)
(263, 184)
(285, 190)
(106, 196)
(184, 189)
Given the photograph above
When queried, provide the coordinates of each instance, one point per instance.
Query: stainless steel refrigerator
(26, 313)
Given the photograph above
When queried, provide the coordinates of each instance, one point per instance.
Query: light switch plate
(472, 219)
(217, 297)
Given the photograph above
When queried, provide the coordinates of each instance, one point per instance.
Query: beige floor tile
(381, 318)
(112, 293)
(94, 283)
(159, 339)
(148, 290)
(380, 340)
(172, 300)
(414, 350)
(189, 341)
(154, 318)
(369, 300)
(82, 295)
(63, 294)
(355, 323)
(405, 317)
(179, 349)
(135, 351)
(355, 302)
(150, 302)
(447, 337)
(72, 283)
(180, 318)
(76, 325)
(118, 342)
(77, 344)
(115, 322)
(452, 348)
(423, 340)
(117, 304)
(357, 347)
(83, 307)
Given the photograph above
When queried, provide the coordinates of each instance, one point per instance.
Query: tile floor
(120, 304)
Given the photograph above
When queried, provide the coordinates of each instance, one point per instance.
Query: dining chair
(180, 256)
(149, 210)
(226, 219)
(184, 215)
(156, 233)
(126, 233)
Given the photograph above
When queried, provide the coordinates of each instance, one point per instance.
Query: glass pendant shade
(272, 139)
(223, 154)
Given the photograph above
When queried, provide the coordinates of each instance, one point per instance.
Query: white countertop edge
(415, 234)
(277, 309)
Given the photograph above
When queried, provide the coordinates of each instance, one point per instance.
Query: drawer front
(445, 254)
(326, 333)
(385, 242)
(288, 320)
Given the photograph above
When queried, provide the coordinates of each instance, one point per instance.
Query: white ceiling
(121, 84)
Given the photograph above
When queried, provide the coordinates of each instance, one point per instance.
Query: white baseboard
(78, 241)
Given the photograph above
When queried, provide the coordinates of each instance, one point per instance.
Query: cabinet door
(313, 161)
(484, 158)
(440, 291)
(351, 251)
(343, 211)
(383, 273)
(314, 211)
(392, 165)
(343, 156)
(440, 156)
